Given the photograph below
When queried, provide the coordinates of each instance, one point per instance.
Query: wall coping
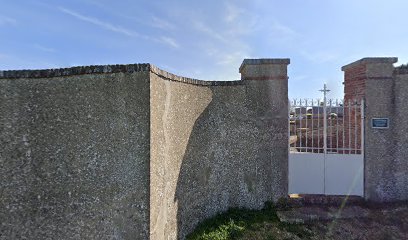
(403, 69)
(71, 71)
(118, 68)
(370, 60)
(262, 61)
(172, 77)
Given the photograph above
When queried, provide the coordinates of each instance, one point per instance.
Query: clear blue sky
(205, 39)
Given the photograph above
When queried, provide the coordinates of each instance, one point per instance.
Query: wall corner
(266, 84)
(264, 69)
(373, 79)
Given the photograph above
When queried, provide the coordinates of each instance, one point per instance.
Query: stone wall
(74, 155)
(400, 164)
(134, 152)
(216, 145)
(384, 90)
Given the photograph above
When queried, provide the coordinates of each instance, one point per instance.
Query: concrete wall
(216, 145)
(400, 163)
(134, 152)
(74, 155)
(386, 166)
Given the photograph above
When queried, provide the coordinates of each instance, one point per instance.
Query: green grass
(237, 222)
(233, 223)
(297, 229)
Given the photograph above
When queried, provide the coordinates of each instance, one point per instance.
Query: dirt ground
(371, 222)
(382, 223)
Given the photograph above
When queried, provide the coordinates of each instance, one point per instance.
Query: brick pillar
(354, 92)
(372, 79)
(266, 83)
(357, 73)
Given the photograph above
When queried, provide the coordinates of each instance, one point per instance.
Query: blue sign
(380, 122)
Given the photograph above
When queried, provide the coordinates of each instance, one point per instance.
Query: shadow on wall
(222, 165)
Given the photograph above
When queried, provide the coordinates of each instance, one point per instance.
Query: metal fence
(331, 126)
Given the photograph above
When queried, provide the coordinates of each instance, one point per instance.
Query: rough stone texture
(74, 155)
(174, 109)
(264, 69)
(403, 69)
(400, 161)
(379, 143)
(213, 148)
(134, 152)
(61, 72)
(385, 91)
(174, 78)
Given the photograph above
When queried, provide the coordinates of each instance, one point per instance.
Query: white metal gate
(326, 153)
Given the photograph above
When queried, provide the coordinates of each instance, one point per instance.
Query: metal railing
(331, 126)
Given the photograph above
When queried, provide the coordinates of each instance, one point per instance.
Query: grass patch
(297, 229)
(233, 223)
(240, 223)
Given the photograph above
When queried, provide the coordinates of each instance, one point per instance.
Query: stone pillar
(372, 79)
(266, 83)
(267, 86)
(400, 127)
